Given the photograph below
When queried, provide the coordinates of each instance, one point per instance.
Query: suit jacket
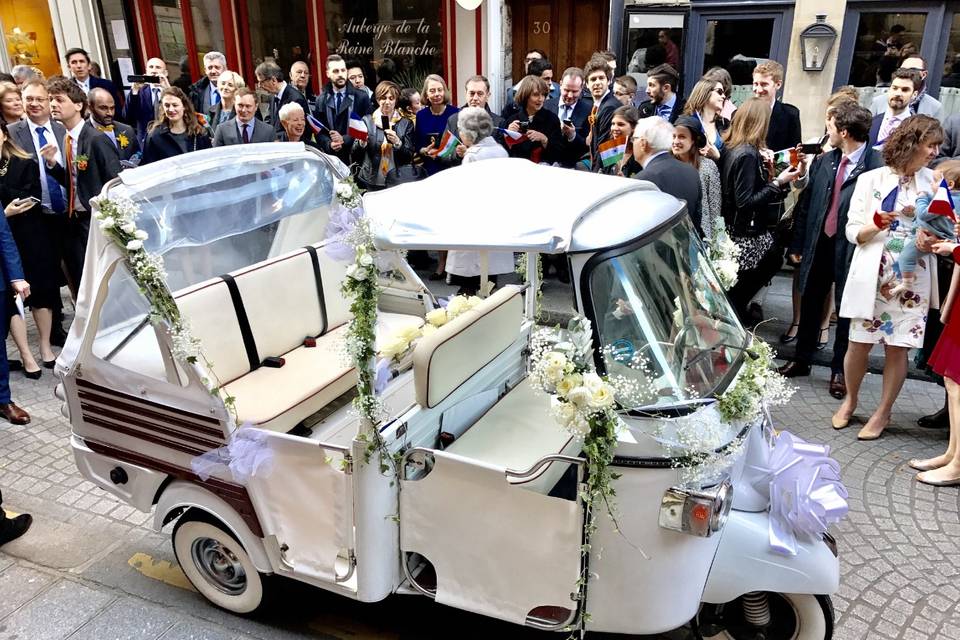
(124, 138)
(103, 83)
(929, 106)
(647, 108)
(199, 94)
(229, 133)
(103, 165)
(950, 148)
(338, 120)
(141, 111)
(160, 144)
(288, 95)
(784, 131)
(576, 148)
(601, 128)
(20, 133)
(679, 179)
(811, 211)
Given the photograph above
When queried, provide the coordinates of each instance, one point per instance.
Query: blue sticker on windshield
(622, 350)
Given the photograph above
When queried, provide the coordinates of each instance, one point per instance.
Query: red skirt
(945, 358)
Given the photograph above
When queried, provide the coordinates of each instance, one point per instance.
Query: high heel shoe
(786, 338)
(49, 364)
(822, 343)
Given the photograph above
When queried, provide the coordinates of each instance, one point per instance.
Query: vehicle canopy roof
(513, 204)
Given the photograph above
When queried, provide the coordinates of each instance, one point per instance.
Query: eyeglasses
(720, 91)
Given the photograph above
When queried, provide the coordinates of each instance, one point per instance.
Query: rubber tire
(815, 614)
(189, 529)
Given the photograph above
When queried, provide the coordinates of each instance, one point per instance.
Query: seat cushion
(278, 399)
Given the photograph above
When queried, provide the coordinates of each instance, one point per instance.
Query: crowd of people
(860, 235)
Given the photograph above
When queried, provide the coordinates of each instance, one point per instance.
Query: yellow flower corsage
(123, 141)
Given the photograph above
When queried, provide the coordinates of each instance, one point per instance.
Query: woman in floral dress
(881, 221)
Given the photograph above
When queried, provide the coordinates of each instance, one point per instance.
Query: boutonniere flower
(81, 162)
(123, 141)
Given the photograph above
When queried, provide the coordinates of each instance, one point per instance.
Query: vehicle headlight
(699, 512)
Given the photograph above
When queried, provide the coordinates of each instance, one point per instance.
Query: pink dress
(945, 358)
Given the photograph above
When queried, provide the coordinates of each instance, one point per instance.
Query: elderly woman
(389, 144)
(476, 132)
(227, 86)
(294, 123)
(881, 220)
(11, 104)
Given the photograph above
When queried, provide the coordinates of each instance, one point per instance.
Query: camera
(524, 125)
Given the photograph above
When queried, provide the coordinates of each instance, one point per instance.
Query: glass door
(650, 39)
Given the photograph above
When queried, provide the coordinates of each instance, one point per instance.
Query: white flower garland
(724, 255)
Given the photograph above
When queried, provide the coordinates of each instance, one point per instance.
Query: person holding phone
(143, 103)
(389, 146)
(541, 139)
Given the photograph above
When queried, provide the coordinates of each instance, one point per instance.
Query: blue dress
(432, 126)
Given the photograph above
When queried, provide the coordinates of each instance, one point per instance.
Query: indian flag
(448, 146)
(781, 157)
(612, 151)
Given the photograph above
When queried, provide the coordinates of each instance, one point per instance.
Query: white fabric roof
(505, 203)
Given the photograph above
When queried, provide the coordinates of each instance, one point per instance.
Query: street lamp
(816, 41)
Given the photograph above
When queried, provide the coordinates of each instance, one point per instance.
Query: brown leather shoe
(838, 386)
(794, 370)
(14, 414)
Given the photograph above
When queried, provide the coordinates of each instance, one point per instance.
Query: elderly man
(244, 128)
(478, 92)
(270, 77)
(300, 79)
(143, 103)
(102, 110)
(24, 73)
(294, 122)
(652, 139)
(203, 93)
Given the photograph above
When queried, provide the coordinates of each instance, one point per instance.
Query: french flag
(315, 124)
(511, 137)
(356, 128)
(887, 205)
(942, 203)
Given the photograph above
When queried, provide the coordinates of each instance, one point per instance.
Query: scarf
(386, 149)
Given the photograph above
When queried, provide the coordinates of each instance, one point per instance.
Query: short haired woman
(705, 103)
(881, 219)
(11, 103)
(688, 144)
(540, 138)
(227, 86)
(752, 201)
(389, 144)
(178, 130)
(432, 121)
(476, 132)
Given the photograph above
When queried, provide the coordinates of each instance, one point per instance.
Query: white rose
(579, 426)
(410, 333)
(556, 359)
(580, 396)
(128, 227)
(602, 397)
(569, 383)
(140, 234)
(592, 381)
(107, 223)
(457, 306)
(356, 272)
(437, 317)
(366, 260)
(473, 301)
(135, 245)
(564, 412)
(554, 373)
(393, 347)
(428, 329)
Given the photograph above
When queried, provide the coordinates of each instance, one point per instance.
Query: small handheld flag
(612, 151)
(356, 128)
(781, 157)
(448, 146)
(887, 205)
(511, 137)
(315, 124)
(942, 203)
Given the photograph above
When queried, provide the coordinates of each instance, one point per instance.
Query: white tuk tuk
(484, 513)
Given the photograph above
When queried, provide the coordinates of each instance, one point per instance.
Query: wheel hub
(219, 566)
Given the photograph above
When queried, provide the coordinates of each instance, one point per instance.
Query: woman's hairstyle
(700, 96)
(528, 86)
(721, 75)
(7, 88)
(190, 118)
(750, 126)
(385, 88)
(234, 77)
(901, 146)
(435, 78)
(10, 147)
(475, 124)
(628, 113)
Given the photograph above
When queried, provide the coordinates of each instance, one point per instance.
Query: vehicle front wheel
(218, 566)
(792, 617)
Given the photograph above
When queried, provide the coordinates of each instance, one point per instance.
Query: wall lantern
(816, 41)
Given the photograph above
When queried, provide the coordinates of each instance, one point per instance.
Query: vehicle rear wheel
(217, 565)
(792, 617)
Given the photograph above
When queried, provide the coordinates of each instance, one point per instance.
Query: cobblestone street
(91, 567)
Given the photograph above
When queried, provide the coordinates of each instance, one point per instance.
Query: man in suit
(203, 93)
(270, 78)
(652, 139)
(101, 107)
(819, 245)
(245, 127)
(784, 131)
(79, 62)
(573, 107)
(90, 160)
(531, 55)
(334, 105)
(903, 89)
(143, 103)
(662, 82)
(300, 79)
(923, 103)
(599, 74)
(478, 91)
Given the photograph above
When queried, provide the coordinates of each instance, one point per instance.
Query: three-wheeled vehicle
(490, 520)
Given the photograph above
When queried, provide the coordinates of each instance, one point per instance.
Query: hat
(696, 130)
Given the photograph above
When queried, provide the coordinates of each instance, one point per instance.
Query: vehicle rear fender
(179, 496)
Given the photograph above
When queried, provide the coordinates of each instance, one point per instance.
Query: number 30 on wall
(541, 26)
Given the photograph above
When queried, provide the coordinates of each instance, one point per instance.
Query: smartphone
(568, 122)
(139, 79)
(811, 148)
(524, 125)
(385, 122)
(28, 199)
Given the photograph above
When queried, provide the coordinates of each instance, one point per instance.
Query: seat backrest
(282, 302)
(334, 271)
(446, 359)
(208, 309)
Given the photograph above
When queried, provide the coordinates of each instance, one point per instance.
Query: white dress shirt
(74, 136)
(84, 84)
(51, 139)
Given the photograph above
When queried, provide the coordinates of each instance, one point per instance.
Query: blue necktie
(57, 202)
(339, 101)
(215, 97)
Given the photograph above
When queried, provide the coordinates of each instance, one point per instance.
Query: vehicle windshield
(663, 321)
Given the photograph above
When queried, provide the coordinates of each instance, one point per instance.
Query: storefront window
(397, 40)
(727, 47)
(207, 27)
(173, 42)
(279, 36)
(883, 39)
(28, 33)
(653, 39)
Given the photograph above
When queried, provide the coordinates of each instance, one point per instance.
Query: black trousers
(73, 246)
(821, 277)
(750, 281)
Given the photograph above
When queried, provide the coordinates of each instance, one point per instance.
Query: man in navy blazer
(652, 139)
(784, 130)
(79, 62)
(143, 103)
(270, 77)
(574, 106)
(334, 112)
(598, 76)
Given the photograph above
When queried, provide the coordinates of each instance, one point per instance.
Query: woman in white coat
(476, 133)
(881, 220)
